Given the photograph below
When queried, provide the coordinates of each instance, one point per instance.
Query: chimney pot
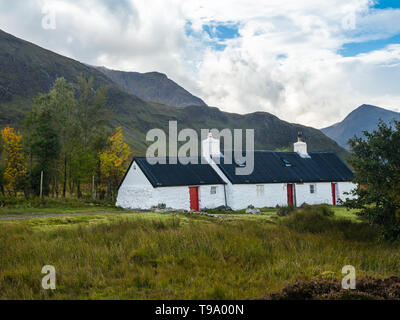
(301, 147)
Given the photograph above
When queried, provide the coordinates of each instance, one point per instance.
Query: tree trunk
(78, 186)
(98, 180)
(108, 190)
(56, 182)
(71, 188)
(53, 186)
(65, 177)
(2, 190)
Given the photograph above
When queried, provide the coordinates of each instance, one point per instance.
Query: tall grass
(177, 258)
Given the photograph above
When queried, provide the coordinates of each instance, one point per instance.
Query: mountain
(364, 118)
(27, 70)
(153, 87)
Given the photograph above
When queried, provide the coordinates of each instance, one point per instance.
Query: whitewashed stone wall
(322, 193)
(244, 195)
(345, 187)
(241, 196)
(210, 201)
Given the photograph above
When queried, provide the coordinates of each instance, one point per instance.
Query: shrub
(304, 221)
(285, 211)
(318, 219)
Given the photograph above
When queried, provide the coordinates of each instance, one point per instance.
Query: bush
(285, 211)
(322, 289)
(308, 220)
(318, 219)
(325, 209)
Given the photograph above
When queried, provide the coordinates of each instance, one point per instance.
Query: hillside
(364, 118)
(153, 87)
(27, 70)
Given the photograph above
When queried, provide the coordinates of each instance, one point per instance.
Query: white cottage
(178, 186)
(279, 178)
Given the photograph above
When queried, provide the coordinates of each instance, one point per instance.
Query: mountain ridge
(27, 70)
(153, 87)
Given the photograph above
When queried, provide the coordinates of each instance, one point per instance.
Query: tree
(15, 173)
(60, 112)
(2, 170)
(376, 162)
(63, 105)
(114, 161)
(44, 145)
(92, 119)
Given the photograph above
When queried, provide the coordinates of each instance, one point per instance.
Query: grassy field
(183, 256)
(19, 207)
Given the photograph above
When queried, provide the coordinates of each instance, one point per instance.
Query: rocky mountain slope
(153, 87)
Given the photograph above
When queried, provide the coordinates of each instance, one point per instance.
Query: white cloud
(284, 60)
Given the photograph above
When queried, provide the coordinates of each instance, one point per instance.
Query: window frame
(260, 190)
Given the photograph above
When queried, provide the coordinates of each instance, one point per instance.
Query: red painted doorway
(194, 198)
(334, 193)
(290, 194)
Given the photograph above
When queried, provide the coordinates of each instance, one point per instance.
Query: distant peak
(157, 74)
(372, 108)
(368, 106)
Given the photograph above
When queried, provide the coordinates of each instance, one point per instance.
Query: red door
(334, 194)
(194, 198)
(290, 194)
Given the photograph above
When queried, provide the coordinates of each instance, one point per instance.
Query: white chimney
(301, 147)
(210, 147)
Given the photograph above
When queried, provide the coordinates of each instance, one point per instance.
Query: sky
(310, 62)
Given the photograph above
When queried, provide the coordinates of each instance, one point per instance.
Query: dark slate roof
(173, 175)
(273, 167)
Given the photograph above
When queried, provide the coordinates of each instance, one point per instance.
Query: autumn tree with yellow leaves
(15, 174)
(114, 162)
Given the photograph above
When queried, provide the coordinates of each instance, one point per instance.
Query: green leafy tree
(376, 162)
(44, 146)
(92, 118)
(60, 110)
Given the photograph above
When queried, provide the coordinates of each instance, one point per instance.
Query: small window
(286, 162)
(313, 188)
(213, 190)
(260, 190)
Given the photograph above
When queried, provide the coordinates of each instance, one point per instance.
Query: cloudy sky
(309, 61)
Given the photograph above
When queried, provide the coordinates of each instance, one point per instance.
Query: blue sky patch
(218, 33)
(386, 4)
(354, 48)
(222, 32)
